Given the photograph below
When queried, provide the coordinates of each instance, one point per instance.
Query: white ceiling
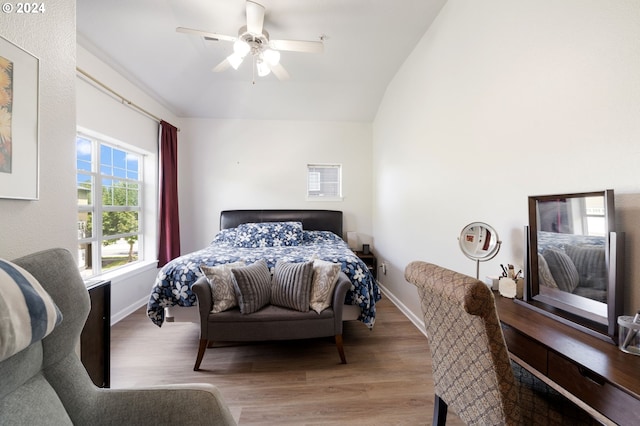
(366, 41)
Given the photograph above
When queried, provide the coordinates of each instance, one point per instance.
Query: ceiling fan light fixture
(253, 39)
(235, 60)
(272, 57)
(262, 67)
(241, 48)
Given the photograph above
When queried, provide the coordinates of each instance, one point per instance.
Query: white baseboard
(119, 316)
(415, 320)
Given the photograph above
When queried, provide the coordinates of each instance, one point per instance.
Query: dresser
(583, 366)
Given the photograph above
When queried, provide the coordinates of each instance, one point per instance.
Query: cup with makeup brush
(629, 334)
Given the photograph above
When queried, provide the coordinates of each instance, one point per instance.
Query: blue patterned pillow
(321, 236)
(27, 312)
(225, 236)
(269, 234)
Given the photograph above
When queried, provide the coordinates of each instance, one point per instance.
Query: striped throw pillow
(291, 286)
(252, 286)
(27, 312)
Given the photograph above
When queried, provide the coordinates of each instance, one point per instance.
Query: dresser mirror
(574, 260)
(479, 241)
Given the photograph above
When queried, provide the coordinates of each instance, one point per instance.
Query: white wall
(501, 100)
(248, 164)
(104, 114)
(29, 226)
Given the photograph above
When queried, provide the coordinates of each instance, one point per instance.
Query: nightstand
(371, 262)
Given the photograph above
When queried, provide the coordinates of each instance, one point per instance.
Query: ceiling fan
(254, 39)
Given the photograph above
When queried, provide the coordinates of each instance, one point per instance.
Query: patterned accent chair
(471, 367)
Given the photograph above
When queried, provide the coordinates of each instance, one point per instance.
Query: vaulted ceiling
(365, 42)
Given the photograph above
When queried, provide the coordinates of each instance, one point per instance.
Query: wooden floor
(387, 380)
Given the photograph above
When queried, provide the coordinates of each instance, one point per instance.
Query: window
(109, 187)
(324, 181)
(595, 216)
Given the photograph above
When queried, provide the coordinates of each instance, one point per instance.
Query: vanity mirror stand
(479, 241)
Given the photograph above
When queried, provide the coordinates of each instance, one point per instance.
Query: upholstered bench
(273, 320)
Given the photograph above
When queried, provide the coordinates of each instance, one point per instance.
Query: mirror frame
(596, 318)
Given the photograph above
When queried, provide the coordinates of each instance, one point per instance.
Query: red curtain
(169, 232)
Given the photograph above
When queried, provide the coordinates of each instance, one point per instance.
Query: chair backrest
(39, 381)
(471, 367)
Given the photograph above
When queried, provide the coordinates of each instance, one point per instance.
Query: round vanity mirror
(479, 241)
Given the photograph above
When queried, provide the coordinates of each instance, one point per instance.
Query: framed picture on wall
(19, 160)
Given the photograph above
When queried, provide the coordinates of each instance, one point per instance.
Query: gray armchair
(47, 384)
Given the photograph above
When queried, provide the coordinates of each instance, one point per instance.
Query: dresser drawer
(525, 348)
(607, 399)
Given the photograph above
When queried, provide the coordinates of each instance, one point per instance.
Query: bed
(302, 235)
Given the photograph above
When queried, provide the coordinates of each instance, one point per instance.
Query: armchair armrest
(188, 404)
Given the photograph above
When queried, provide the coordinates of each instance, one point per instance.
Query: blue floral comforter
(174, 280)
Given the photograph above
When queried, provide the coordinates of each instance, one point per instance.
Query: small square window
(324, 181)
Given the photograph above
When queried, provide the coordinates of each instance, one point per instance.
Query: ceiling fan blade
(255, 17)
(297, 46)
(206, 34)
(279, 71)
(222, 66)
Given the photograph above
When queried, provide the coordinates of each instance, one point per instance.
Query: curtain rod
(124, 100)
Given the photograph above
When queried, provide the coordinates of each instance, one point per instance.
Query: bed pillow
(225, 236)
(269, 234)
(563, 270)
(591, 265)
(221, 280)
(544, 274)
(325, 277)
(291, 285)
(27, 312)
(252, 286)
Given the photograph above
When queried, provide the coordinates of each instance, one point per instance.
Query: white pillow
(325, 277)
(27, 312)
(222, 288)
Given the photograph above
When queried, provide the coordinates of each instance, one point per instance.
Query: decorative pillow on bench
(325, 277)
(291, 285)
(562, 268)
(297, 286)
(27, 312)
(591, 265)
(222, 287)
(252, 286)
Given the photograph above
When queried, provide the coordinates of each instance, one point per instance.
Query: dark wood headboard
(312, 220)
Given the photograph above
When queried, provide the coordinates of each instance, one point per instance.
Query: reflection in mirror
(571, 247)
(479, 241)
(575, 258)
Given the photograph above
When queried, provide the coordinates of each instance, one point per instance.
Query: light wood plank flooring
(387, 380)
